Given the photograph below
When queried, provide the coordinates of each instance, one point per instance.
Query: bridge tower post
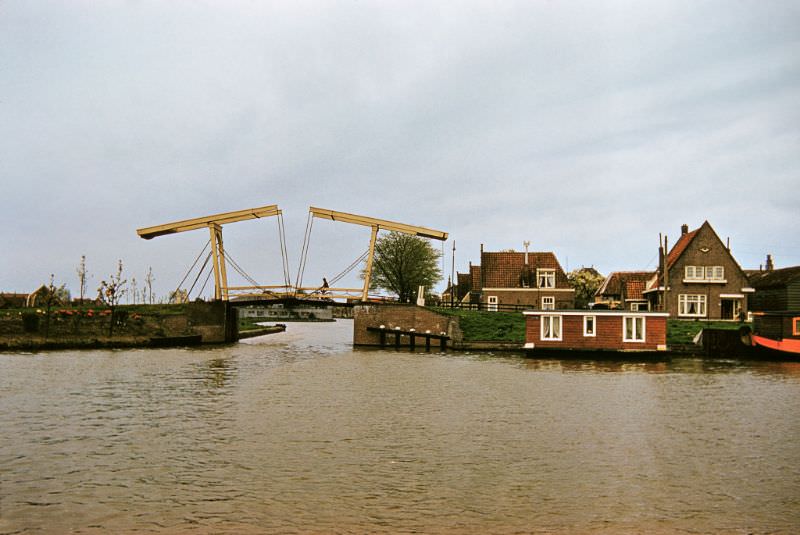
(368, 269)
(218, 259)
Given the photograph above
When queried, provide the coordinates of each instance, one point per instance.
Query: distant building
(509, 280)
(623, 290)
(775, 289)
(699, 279)
(13, 300)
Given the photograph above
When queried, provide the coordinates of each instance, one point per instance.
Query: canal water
(299, 433)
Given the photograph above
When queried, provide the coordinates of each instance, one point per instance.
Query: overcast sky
(586, 128)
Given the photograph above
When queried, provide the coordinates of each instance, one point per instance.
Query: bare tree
(111, 291)
(52, 295)
(133, 291)
(148, 280)
(81, 270)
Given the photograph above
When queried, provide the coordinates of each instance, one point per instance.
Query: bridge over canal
(286, 291)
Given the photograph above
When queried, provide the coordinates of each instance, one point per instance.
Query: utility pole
(452, 276)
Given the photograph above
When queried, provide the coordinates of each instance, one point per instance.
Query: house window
(546, 278)
(715, 273)
(588, 326)
(551, 328)
(492, 300)
(548, 303)
(635, 307)
(694, 272)
(633, 329)
(690, 305)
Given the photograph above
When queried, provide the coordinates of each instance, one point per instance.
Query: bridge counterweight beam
(368, 269)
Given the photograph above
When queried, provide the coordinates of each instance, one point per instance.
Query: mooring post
(413, 340)
(397, 338)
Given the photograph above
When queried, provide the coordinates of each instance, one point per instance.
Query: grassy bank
(489, 326)
(684, 331)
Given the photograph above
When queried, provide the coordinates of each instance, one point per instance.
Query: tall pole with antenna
(452, 276)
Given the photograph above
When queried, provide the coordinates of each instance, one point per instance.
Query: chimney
(526, 244)
(770, 265)
(481, 248)
(684, 229)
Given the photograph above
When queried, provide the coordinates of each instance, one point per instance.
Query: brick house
(699, 279)
(623, 290)
(508, 279)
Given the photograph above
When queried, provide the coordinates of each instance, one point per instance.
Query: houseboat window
(548, 303)
(546, 278)
(492, 303)
(796, 326)
(551, 328)
(588, 326)
(691, 305)
(633, 329)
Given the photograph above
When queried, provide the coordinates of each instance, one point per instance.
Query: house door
(731, 308)
(492, 303)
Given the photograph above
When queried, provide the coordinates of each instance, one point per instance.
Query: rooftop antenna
(526, 243)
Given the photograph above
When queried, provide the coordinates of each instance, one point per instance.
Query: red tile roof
(508, 269)
(680, 246)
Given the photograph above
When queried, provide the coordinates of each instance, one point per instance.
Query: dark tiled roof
(508, 269)
(634, 283)
(475, 278)
(775, 278)
(464, 284)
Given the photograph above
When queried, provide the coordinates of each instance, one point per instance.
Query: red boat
(787, 345)
(775, 335)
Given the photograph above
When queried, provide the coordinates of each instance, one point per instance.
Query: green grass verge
(491, 326)
(161, 310)
(684, 331)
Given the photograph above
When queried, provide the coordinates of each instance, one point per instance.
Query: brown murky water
(298, 433)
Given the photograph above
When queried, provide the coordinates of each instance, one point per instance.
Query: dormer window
(546, 278)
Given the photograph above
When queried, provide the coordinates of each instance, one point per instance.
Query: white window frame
(685, 300)
(715, 273)
(545, 278)
(549, 302)
(586, 320)
(492, 303)
(638, 332)
(694, 273)
(551, 328)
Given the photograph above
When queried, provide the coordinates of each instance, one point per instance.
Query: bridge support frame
(370, 256)
(218, 259)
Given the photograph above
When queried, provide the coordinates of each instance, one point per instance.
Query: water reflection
(298, 433)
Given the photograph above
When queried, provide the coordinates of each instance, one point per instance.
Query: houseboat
(596, 334)
(775, 335)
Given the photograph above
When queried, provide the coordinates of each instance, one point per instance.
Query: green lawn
(684, 331)
(494, 326)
